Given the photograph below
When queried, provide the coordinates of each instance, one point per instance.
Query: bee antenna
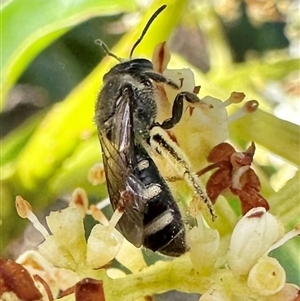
(106, 50)
(153, 17)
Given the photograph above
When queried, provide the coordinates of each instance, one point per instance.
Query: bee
(125, 116)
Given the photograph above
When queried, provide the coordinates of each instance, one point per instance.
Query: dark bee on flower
(125, 115)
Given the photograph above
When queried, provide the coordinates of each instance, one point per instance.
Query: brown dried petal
(250, 179)
(15, 278)
(161, 57)
(219, 181)
(89, 290)
(244, 158)
(251, 149)
(221, 152)
(250, 198)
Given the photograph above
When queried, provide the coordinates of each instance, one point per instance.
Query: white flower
(251, 238)
(254, 236)
(66, 246)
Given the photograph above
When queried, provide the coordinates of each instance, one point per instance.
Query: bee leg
(177, 109)
(161, 79)
(169, 150)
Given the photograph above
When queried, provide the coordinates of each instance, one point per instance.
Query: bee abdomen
(163, 227)
(166, 234)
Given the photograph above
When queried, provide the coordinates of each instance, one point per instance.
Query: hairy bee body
(126, 119)
(125, 113)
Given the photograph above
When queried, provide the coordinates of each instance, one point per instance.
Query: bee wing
(117, 142)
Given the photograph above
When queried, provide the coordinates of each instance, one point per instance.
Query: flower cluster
(65, 256)
(251, 273)
(66, 262)
(220, 265)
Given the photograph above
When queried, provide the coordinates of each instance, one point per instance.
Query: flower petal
(15, 279)
(250, 198)
(57, 254)
(221, 152)
(218, 182)
(266, 277)
(68, 230)
(251, 238)
(102, 246)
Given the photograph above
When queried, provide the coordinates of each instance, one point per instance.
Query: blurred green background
(50, 78)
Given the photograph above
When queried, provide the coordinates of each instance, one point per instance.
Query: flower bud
(251, 238)
(267, 276)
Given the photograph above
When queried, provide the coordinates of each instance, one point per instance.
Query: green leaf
(285, 202)
(14, 142)
(71, 121)
(28, 27)
(270, 132)
(56, 157)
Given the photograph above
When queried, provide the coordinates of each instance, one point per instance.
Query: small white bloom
(251, 238)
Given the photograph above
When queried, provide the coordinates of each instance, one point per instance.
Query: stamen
(249, 107)
(96, 174)
(115, 219)
(38, 279)
(291, 234)
(235, 97)
(24, 210)
(102, 204)
(98, 215)
(196, 89)
(79, 200)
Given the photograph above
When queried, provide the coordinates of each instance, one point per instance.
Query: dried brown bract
(15, 281)
(234, 173)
